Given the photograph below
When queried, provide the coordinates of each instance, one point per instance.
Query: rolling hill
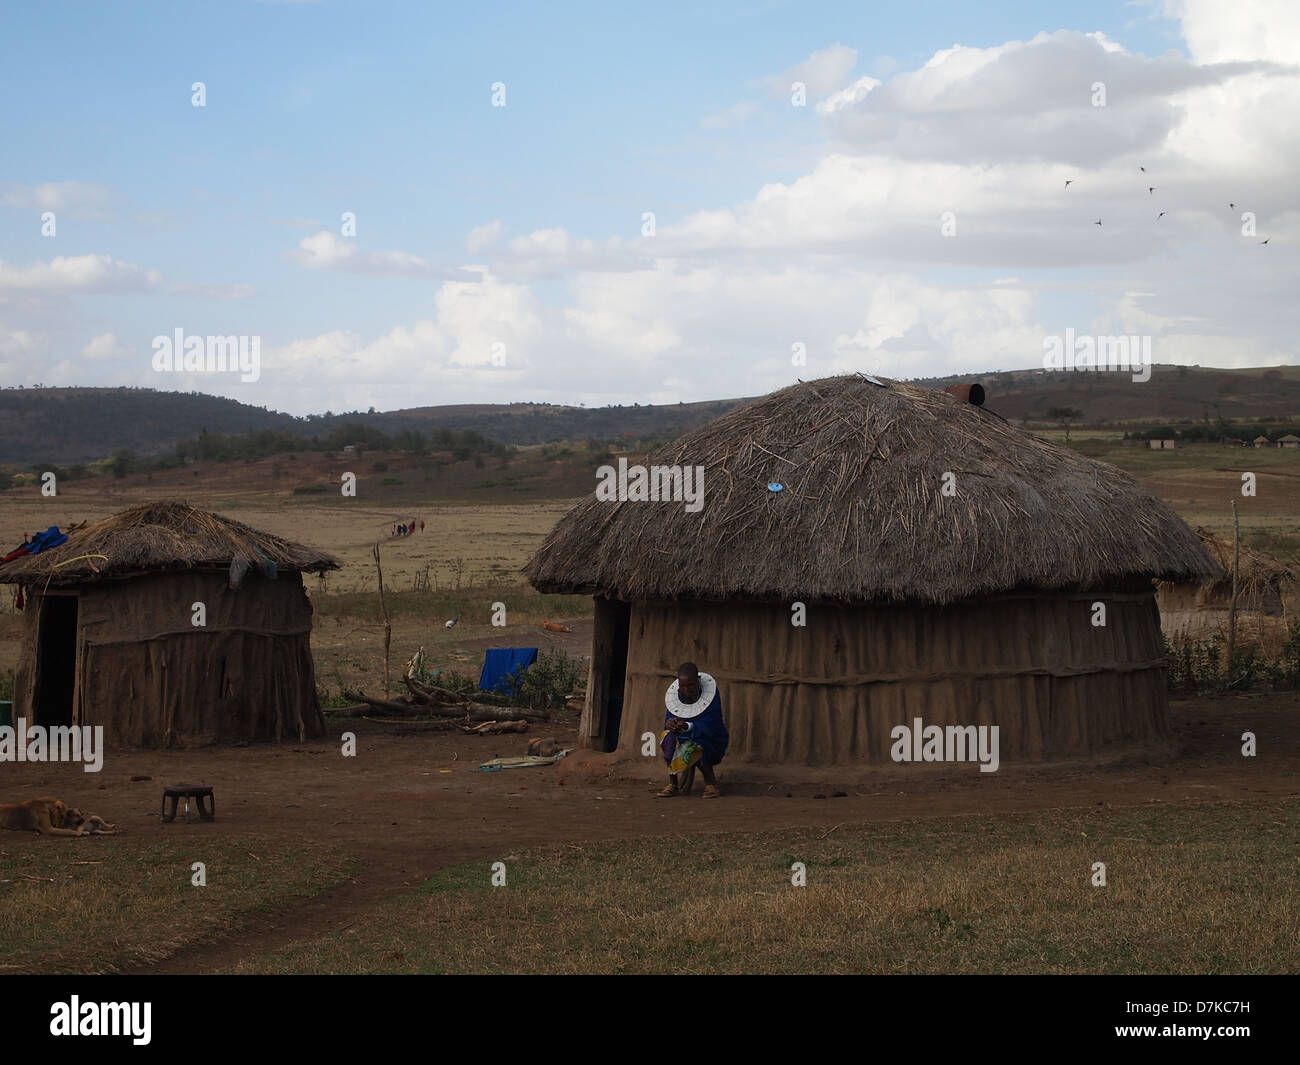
(77, 425)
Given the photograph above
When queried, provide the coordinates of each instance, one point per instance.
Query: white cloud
(325, 251)
(1030, 100)
(484, 236)
(821, 72)
(846, 97)
(78, 273)
(104, 346)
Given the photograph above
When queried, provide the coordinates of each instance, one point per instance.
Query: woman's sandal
(668, 793)
(711, 792)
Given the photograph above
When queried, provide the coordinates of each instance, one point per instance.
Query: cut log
(391, 706)
(491, 698)
(445, 694)
(360, 710)
(493, 727)
(497, 713)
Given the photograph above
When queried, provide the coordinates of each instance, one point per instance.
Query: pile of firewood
(480, 712)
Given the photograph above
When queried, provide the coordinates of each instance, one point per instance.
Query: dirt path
(408, 805)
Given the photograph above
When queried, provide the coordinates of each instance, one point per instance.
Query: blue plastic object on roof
(43, 541)
(500, 663)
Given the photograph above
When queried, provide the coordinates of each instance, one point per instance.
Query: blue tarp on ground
(500, 662)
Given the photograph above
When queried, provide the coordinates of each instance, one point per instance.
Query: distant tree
(1064, 416)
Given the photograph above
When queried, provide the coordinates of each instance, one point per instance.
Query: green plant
(547, 682)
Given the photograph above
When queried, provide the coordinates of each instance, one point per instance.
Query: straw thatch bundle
(1259, 574)
(862, 517)
(151, 537)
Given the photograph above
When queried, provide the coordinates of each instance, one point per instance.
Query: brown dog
(49, 817)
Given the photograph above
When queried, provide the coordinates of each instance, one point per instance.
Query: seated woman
(694, 732)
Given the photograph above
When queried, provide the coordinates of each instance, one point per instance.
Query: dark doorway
(618, 674)
(608, 671)
(56, 661)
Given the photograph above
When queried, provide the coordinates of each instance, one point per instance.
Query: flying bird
(1151, 189)
(1069, 183)
(1160, 216)
(1231, 206)
(1143, 169)
(1265, 241)
(1097, 223)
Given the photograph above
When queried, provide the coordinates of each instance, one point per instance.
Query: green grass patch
(138, 905)
(1199, 889)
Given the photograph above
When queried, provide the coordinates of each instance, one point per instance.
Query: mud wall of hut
(153, 679)
(829, 693)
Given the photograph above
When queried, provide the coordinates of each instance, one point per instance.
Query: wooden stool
(198, 793)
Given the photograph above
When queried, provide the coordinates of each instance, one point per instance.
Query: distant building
(1198, 609)
(1262, 441)
(349, 449)
(1290, 440)
(1161, 445)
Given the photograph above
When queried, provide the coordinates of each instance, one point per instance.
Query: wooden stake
(1232, 608)
(388, 624)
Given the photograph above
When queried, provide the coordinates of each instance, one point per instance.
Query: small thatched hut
(111, 637)
(948, 562)
(1197, 609)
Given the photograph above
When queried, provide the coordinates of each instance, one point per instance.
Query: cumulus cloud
(326, 251)
(104, 346)
(1030, 100)
(78, 273)
(484, 236)
(549, 253)
(821, 72)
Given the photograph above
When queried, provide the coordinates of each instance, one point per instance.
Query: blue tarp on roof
(43, 541)
(500, 662)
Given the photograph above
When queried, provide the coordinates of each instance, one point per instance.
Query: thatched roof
(1257, 572)
(160, 536)
(861, 515)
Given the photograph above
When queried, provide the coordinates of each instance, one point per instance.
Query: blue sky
(225, 219)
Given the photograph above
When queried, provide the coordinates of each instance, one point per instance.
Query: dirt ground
(410, 802)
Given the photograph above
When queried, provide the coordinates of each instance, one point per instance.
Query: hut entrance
(608, 672)
(56, 657)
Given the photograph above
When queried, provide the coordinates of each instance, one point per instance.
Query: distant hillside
(61, 426)
(69, 425)
(542, 423)
(77, 425)
(1172, 394)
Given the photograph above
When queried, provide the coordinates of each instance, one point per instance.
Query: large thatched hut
(1196, 609)
(949, 565)
(111, 637)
